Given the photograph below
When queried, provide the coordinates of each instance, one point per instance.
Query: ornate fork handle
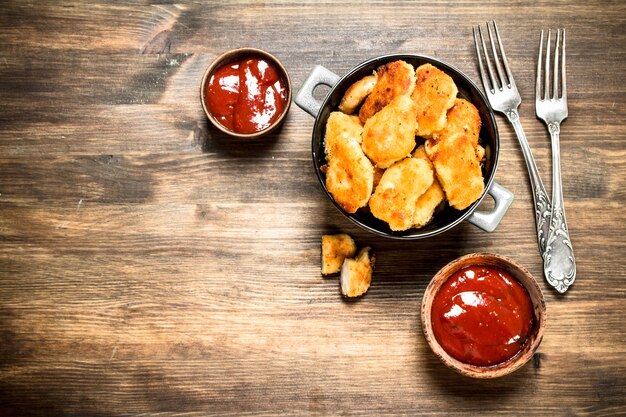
(559, 263)
(540, 197)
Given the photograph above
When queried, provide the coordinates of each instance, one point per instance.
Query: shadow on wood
(211, 139)
(474, 391)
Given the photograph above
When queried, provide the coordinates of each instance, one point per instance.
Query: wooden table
(150, 265)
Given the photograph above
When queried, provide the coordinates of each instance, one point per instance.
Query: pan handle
(488, 221)
(318, 76)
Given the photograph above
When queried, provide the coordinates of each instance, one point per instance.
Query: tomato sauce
(246, 96)
(482, 316)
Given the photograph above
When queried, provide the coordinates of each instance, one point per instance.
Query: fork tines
(544, 81)
(499, 57)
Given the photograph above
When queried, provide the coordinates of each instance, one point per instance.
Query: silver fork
(559, 265)
(505, 98)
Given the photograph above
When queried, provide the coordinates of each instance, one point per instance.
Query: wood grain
(150, 265)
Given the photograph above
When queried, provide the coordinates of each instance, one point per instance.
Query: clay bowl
(236, 55)
(518, 272)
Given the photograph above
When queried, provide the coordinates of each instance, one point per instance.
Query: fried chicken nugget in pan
(463, 117)
(397, 193)
(458, 169)
(435, 93)
(356, 93)
(394, 79)
(430, 200)
(389, 135)
(350, 175)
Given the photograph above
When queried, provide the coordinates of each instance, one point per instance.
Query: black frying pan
(489, 139)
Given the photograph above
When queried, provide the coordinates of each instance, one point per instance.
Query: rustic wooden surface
(149, 265)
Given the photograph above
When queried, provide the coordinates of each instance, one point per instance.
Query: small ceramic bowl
(236, 55)
(518, 272)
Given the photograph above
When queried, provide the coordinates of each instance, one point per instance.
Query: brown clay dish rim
(539, 310)
(233, 55)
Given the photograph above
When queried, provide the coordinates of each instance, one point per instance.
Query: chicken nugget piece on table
(389, 135)
(435, 93)
(394, 79)
(463, 117)
(395, 197)
(458, 169)
(335, 249)
(356, 274)
(356, 93)
(430, 200)
(349, 174)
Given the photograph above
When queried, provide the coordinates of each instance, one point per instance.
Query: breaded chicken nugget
(400, 187)
(378, 174)
(350, 175)
(426, 205)
(341, 128)
(480, 153)
(430, 200)
(356, 93)
(434, 94)
(389, 135)
(457, 168)
(356, 274)
(336, 248)
(394, 79)
(420, 153)
(463, 117)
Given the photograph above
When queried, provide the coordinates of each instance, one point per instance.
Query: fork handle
(540, 197)
(559, 265)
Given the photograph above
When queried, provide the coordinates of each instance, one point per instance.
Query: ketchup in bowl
(482, 316)
(247, 95)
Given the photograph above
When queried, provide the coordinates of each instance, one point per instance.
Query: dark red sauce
(482, 316)
(247, 95)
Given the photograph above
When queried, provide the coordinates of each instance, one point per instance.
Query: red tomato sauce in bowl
(482, 316)
(247, 95)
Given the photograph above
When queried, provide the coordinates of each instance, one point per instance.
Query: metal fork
(505, 98)
(559, 264)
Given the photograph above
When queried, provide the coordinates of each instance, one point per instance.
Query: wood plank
(151, 265)
(212, 235)
(191, 177)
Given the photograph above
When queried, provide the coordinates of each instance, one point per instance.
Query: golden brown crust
(480, 153)
(389, 135)
(356, 93)
(427, 203)
(458, 169)
(420, 153)
(395, 197)
(463, 117)
(378, 174)
(356, 274)
(350, 175)
(435, 92)
(336, 248)
(394, 79)
(431, 199)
